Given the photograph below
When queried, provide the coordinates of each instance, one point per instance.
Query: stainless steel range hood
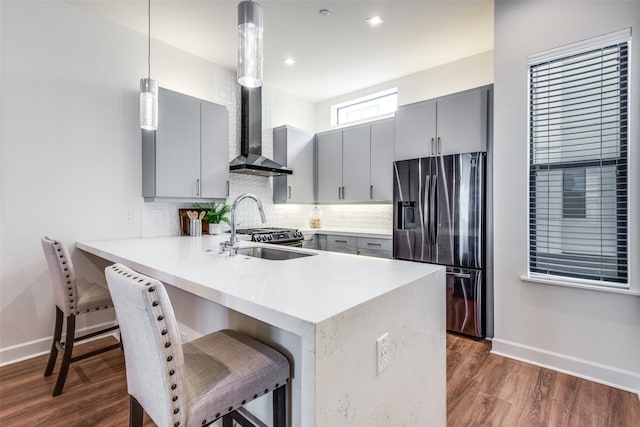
(251, 161)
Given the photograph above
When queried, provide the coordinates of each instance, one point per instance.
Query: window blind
(578, 128)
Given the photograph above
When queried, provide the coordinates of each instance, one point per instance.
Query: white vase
(215, 228)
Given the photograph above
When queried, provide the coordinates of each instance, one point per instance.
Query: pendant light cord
(149, 41)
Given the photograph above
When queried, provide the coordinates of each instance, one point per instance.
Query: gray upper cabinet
(214, 147)
(356, 155)
(462, 122)
(382, 137)
(453, 124)
(293, 147)
(187, 157)
(329, 166)
(415, 127)
(177, 145)
(355, 164)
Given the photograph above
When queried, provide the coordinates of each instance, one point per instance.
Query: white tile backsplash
(161, 219)
(378, 216)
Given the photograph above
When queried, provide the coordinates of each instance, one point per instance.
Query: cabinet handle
(371, 192)
(289, 192)
(432, 142)
(227, 188)
(374, 244)
(341, 241)
(342, 193)
(339, 193)
(198, 187)
(439, 147)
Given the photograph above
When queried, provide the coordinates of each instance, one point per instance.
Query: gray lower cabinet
(366, 246)
(380, 248)
(452, 124)
(187, 156)
(344, 244)
(293, 147)
(355, 164)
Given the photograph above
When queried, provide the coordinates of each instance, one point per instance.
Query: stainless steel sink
(272, 253)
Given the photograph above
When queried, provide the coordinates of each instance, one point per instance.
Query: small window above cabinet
(187, 158)
(293, 147)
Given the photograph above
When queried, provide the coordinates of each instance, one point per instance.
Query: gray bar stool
(72, 297)
(196, 383)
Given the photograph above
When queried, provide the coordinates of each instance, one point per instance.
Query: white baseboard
(31, 349)
(603, 374)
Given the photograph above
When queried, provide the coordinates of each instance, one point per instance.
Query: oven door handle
(292, 244)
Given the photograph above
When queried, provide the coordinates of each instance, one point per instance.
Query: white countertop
(359, 232)
(292, 294)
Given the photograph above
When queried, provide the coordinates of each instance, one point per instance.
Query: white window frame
(558, 53)
(335, 109)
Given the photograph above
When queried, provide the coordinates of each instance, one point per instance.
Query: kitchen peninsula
(325, 312)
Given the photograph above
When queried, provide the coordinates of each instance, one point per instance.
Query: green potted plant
(216, 213)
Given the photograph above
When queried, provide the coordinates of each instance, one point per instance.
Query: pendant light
(149, 91)
(250, 44)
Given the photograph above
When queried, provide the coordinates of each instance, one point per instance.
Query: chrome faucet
(232, 244)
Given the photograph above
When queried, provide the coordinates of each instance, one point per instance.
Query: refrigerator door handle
(433, 214)
(459, 275)
(427, 209)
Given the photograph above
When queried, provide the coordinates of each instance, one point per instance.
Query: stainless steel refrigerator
(439, 218)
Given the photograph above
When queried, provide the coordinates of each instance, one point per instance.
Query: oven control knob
(299, 233)
(270, 237)
(258, 238)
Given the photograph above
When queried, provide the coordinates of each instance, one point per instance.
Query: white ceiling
(336, 54)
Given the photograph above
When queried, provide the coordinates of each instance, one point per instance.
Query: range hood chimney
(251, 161)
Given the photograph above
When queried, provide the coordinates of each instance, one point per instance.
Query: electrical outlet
(128, 216)
(382, 352)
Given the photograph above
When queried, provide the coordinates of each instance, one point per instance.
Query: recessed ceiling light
(374, 21)
(289, 61)
(324, 12)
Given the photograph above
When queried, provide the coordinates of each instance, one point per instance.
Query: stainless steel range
(275, 235)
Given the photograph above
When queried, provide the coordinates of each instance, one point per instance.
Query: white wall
(289, 110)
(588, 333)
(466, 73)
(70, 147)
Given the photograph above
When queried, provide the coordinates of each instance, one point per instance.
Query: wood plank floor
(95, 393)
(488, 390)
(482, 390)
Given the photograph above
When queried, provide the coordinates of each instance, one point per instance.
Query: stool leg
(66, 356)
(57, 333)
(280, 406)
(136, 413)
(227, 421)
